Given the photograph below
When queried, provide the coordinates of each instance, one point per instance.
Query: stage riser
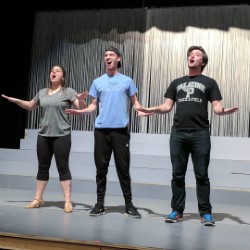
(150, 160)
(148, 191)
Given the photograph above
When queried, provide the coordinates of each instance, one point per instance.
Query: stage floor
(232, 230)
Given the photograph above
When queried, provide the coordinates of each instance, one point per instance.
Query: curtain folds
(153, 43)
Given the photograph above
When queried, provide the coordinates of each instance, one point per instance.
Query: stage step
(150, 160)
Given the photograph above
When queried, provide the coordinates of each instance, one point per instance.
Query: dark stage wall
(16, 40)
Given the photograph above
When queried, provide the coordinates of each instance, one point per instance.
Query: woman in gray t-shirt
(54, 136)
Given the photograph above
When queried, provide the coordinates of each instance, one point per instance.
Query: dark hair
(204, 56)
(64, 74)
(115, 50)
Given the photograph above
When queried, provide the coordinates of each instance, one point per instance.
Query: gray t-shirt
(54, 121)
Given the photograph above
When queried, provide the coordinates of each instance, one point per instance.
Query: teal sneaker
(175, 216)
(207, 220)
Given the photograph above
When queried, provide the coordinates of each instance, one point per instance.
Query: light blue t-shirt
(112, 93)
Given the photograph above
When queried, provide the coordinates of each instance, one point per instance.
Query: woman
(54, 136)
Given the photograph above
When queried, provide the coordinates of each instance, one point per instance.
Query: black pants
(60, 148)
(182, 144)
(106, 142)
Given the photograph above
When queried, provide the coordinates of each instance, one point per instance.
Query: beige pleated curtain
(153, 43)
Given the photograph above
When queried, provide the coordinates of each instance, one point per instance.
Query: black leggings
(60, 148)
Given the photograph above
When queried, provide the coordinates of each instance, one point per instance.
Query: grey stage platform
(231, 212)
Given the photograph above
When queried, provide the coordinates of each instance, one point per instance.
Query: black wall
(16, 40)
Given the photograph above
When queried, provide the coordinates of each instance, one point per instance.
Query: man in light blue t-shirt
(110, 94)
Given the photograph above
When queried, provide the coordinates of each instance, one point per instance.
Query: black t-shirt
(192, 95)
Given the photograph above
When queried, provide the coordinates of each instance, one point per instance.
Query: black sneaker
(97, 210)
(130, 210)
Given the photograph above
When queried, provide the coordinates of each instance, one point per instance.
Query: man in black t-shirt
(190, 132)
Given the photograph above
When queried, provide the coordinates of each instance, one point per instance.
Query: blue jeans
(198, 144)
